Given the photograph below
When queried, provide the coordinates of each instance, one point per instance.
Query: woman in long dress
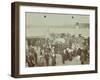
(42, 61)
(53, 57)
(30, 59)
(59, 59)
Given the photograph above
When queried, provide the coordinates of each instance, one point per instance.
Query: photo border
(15, 42)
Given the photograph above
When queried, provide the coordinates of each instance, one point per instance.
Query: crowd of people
(56, 50)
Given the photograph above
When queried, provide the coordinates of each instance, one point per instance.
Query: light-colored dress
(59, 59)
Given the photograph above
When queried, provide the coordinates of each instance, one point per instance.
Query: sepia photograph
(56, 39)
(53, 39)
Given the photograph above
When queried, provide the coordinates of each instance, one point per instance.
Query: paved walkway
(75, 60)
